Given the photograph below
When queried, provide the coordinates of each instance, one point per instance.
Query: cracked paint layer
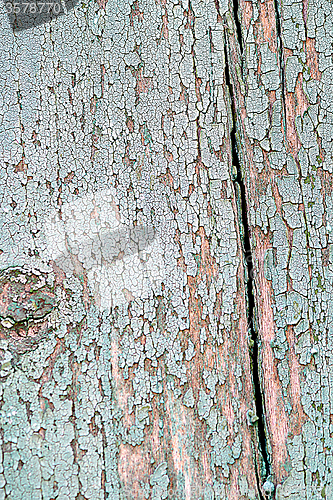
(285, 123)
(116, 117)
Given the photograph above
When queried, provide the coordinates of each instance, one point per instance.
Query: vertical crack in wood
(238, 25)
(240, 193)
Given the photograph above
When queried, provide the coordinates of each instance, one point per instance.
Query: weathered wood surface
(124, 127)
(114, 117)
(284, 123)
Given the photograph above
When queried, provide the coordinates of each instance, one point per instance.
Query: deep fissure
(238, 25)
(245, 235)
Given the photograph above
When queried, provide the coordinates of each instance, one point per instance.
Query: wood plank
(283, 99)
(116, 185)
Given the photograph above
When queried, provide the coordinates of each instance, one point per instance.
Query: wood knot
(26, 300)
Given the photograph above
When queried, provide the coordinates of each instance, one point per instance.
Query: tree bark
(167, 252)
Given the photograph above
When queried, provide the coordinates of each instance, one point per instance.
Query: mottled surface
(116, 116)
(285, 119)
(26, 299)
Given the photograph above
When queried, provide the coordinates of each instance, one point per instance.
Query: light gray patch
(205, 403)
(289, 188)
(293, 68)
(188, 399)
(159, 481)
(269, 67)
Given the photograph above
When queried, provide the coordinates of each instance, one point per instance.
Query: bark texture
(161, 160)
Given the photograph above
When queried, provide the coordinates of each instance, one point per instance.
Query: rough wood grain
(113, 117)
(283, 95)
